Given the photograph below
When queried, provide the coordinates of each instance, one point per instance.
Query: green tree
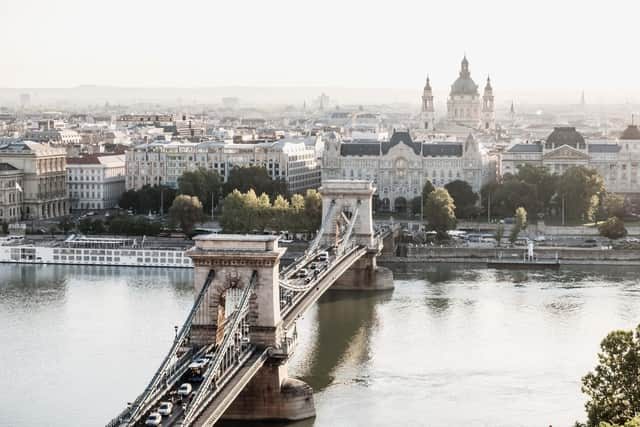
(313, 210)
(203, 183)
(427, 189)
(612, 387)
(66, 224)
(544, 182)
(233, 212)
(519, 224)
(256, 178)
(613, 205)
(499, 234)
(613, 228)
(440, 212)
(186, 211)
(147, 199)
(463, 197)
(579, 187)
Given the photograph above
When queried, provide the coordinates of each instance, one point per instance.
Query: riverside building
(399, 166)
(96, 182)
(617, 161)
(162, 163)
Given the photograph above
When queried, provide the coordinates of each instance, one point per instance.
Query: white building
(162, 163)
(617, 161)
(42, 187)
(96, 182)
(399, 167)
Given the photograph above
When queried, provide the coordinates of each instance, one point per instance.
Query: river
(450, 346)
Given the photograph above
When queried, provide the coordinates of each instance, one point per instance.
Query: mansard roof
(604, 148)
(631, 133)
(565, 136)
(400, 137)
(426, 149)
(526, 148)
(451, 149)
(360, 149)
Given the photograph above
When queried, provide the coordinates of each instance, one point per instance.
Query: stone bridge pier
(344, 197)
(270, 394)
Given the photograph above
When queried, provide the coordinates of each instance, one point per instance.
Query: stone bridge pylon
(344, 198)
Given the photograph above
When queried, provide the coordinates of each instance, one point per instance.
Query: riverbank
(565, 256)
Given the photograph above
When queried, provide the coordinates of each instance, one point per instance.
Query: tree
(440, 212)
(613, 205)
(613, 387)
(147, 199)
(544, 182)
(427, 189)
(519, 224)
(203, 183)
(233, 213)
(313, 210)
(66, 224)
(256, 178)
(186, 211)
(463, 197)
(579, 187)
(499, 234)
(613, 228)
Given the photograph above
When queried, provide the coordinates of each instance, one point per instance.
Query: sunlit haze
(525, 47)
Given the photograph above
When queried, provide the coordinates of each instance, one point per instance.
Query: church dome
(631, 133)
(565, 136)
(464, 85)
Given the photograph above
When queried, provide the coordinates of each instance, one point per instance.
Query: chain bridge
(233, 348)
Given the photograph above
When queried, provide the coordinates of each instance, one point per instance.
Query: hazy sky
(394, 44)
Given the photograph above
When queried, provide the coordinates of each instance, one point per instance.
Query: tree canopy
(440, 212)
(580, 187)
(246, 212)
(205, 184)
(519, 224)
(254, 178)
(147, 199)
(186, 211)
(613, 387)
(463, 197)
(613, 228)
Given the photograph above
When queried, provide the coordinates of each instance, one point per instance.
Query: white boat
(80, 250)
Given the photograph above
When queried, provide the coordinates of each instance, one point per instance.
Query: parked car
(185, 389)
(166, 408)
(154, 419)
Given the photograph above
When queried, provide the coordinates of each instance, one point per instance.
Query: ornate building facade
(399, 166)
(35, 180)
(618, 162)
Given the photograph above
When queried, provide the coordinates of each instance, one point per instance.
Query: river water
(450, 346)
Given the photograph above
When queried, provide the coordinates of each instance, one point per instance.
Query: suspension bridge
(229, 359)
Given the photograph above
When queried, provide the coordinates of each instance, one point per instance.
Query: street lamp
(176, 329)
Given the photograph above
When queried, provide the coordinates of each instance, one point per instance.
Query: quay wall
(419, 253)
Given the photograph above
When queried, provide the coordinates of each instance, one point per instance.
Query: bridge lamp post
(175, 328)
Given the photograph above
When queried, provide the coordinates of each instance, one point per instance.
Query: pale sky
(568, 44)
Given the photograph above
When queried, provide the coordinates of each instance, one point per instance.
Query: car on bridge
(185, 389)
(154, 419)
(165, 408)
(303, 272)
(323, 256)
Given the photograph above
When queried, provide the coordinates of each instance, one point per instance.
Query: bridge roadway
(295, 298)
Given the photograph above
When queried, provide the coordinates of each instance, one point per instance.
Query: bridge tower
(342, 199)
(270, 394)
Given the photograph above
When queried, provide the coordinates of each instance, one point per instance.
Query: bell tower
(488, 111)
(428, 112)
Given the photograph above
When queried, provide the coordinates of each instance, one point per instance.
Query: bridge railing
(168, 366)
(235, 340)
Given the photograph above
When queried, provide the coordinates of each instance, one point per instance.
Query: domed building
(465, 107)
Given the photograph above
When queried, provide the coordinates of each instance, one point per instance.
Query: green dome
(464, 85)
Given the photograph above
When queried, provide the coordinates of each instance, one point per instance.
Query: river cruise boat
(81, 250)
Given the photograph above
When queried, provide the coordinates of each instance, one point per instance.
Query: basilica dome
(464, 85)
